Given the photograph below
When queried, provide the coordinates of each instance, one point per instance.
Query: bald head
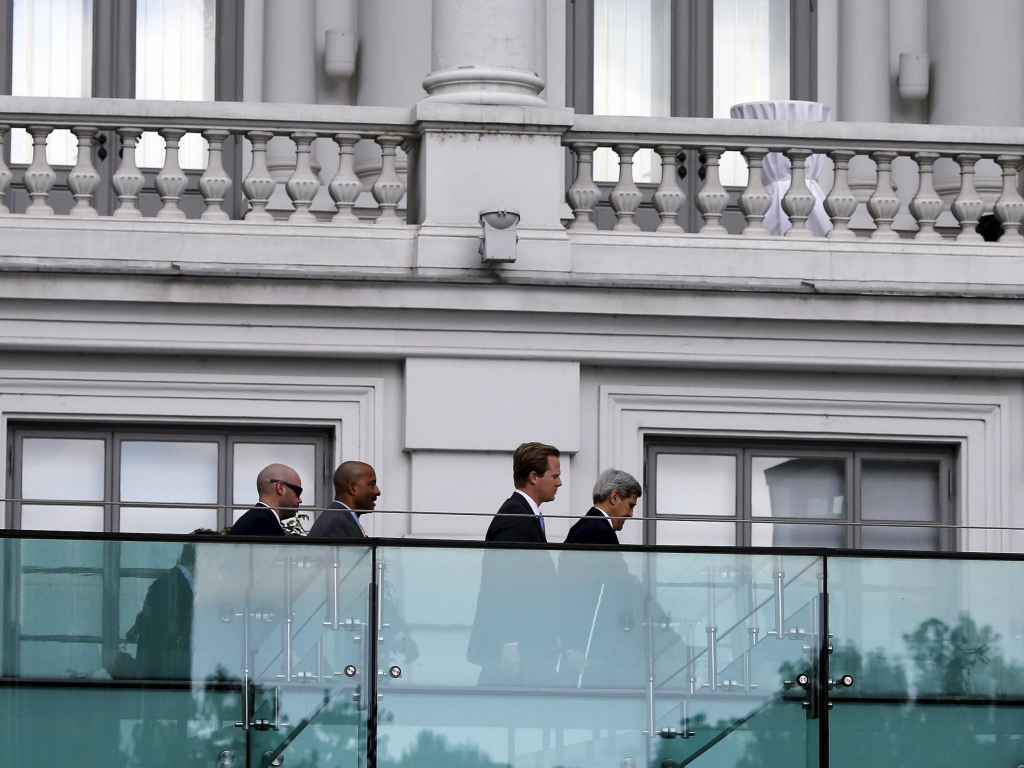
(355, 486)
(276, 486)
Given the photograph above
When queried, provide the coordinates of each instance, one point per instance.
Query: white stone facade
(385, 327)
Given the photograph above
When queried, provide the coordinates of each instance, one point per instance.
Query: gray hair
(616, 480)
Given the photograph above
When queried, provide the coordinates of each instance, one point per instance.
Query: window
(180, 50)
(111, 475)
(687, 58)
(803, 495)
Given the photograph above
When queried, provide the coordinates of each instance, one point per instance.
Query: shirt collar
(533, 504)
(188, 577)
(264, 504)
(606, 516)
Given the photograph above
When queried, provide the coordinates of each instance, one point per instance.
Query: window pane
(51, 56)
(168, 472)
(900, 490)
(175, 47)
(797, 535)
(696, 484)
(250, 458)
(632, 73)
(39, 517)
(798, 487)
(65, 469)
(695, 533)
(751, 63)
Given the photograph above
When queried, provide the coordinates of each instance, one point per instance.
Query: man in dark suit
(537, 475)
(163, 628)
(615, 496)
(515, 637)
(602, 602)
(355, 493)
(280, 491)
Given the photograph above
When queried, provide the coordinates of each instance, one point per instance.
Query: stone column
(864, 60)
(289, 77)
(864, 86)
(485, 52)
(977, 62)
(977, 78)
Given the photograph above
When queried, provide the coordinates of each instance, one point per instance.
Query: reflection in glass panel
(40, 517)
(51, 56)
(936, 648)
(718, 665)
(64, 469)
(520, 658)
(696, 484)
(159, 680)
(175, 47)
(250, 458)
(751, 63)
(632, 73)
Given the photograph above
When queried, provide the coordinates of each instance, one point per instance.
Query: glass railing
(210, 652)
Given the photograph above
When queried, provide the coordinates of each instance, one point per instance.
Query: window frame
(853, 453)
(113, 435)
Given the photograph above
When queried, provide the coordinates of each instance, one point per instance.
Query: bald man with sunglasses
(280, 491)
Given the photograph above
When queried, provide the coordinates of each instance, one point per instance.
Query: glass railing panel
(512, 657)
(729, 631)
(174, 653)
(936, 650)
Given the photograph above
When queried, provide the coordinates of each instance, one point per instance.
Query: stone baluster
(713, 198)
(171, 181)
(345, 186)
(128, 180)
(968, 205)
(5, 172)
(215, 182)
(755, 200)
(883, 205)
(1009, 208)
(389, 188)
(259, 185)
(625, 197)
(669, 197)
(83, 179)
(926, 205)
(39, 176)
(841, 203)
(584, 195)
(303, 184)
(798, 202)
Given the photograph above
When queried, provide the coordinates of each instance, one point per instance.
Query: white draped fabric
(776, 172)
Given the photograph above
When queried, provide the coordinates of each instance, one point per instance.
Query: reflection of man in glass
(163, 628)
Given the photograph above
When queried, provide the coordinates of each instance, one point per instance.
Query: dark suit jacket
(164, 627)
(592, 529)
(336, 523)
(516, 521)
(517, 602)
(258, 521)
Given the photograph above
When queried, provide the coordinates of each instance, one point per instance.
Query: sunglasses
(296, 488)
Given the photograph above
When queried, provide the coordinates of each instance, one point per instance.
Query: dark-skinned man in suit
(514, 638)
(280, 491)
(355, 493)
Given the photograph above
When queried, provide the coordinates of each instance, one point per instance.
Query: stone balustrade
(842, 143)
(92, 120)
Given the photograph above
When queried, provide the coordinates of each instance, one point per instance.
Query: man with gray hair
(615, 495)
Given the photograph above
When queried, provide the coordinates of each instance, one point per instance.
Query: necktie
(543, 528)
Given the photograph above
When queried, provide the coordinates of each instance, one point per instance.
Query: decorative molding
(351, 408)
(979, 425)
